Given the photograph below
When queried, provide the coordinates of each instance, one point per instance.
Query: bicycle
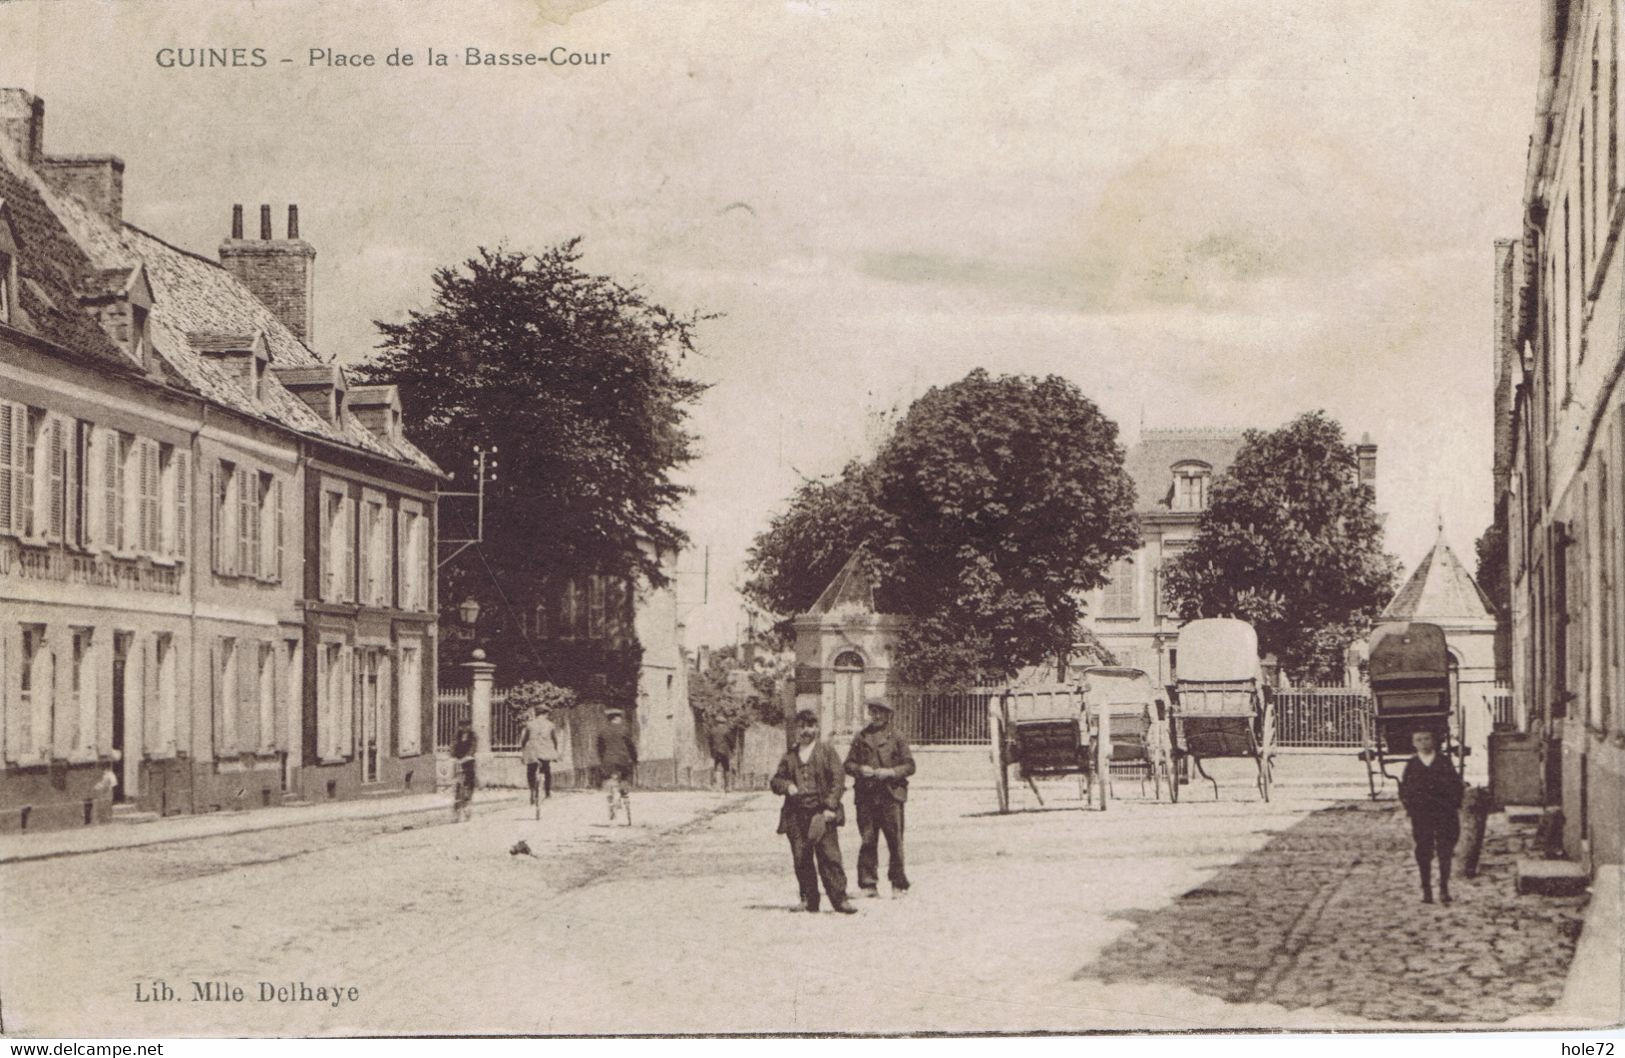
(620, 795)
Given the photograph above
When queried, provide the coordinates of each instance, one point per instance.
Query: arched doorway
(848, 692)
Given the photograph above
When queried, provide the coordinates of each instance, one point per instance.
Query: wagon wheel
(1173, 780)
(1264, 776)
(1000, 759)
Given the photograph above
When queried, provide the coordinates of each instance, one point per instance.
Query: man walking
(881, 763)
(721, 738)
(810, 780)
(618, 757)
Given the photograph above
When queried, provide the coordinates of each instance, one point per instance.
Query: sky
(1203, 212)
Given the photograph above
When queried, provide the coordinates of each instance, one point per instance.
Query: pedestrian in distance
(881, 763)
(811, 781)
(463, 748)
(1431, 791)
(618, 760)
(539, 748)
(721, 739)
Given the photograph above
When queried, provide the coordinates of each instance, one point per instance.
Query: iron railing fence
(943, 718)
(1321, 717)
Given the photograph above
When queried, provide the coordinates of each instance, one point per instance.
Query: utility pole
(485, 469)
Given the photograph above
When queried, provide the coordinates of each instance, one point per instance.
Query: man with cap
(881, 763)
(810, 780)
(617, 756)
(539, 748)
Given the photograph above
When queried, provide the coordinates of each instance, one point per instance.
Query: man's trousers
(877, 816)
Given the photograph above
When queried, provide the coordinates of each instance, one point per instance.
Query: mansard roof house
(216, 558)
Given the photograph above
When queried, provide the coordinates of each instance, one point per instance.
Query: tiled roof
(1440, 589)
(194, 299)
(1150, 462)
(49, 266)
(850, 591)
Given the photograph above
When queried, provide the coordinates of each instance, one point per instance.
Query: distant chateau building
(1173, 472)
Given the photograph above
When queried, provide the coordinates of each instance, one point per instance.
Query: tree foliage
(532, 694)
(1291, 542)
(1492, 565)
(576, 379)
(733, 696)
(994, 506)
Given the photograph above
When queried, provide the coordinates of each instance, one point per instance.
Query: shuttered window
(180, 545)
(56, 480)
(13, 420)
(29, 505)
(248, 522)
(151, 507)
(77, 485)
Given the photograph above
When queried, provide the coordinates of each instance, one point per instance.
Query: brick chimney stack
(96, 180)
(280, 272)
(22, 123)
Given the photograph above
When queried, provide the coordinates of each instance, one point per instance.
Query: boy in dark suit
(1431, 791)
(811, 781)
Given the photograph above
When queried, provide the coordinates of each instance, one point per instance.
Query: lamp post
(469, 611)
(481, 677)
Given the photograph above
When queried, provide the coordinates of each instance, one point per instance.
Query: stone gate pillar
(481, 679)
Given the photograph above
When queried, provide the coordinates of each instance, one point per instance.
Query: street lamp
(469, 611)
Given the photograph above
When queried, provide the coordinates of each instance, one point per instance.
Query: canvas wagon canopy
(1218, 650)
(1413, 651)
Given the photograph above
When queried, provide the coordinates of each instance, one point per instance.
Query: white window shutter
(216, 514)
(346, 538)
(279, 531)
(183, 488)
(73, 489)
(364, 544)
(8, 467)
(247, 561)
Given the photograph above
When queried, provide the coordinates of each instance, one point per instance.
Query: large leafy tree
(994, 506)
(1291, 541)
(576, 379)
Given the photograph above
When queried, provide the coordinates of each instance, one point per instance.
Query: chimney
(1366, 454)
(96, 180)
(280, 272)
(22, 123)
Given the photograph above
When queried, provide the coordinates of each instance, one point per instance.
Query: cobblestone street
(1327, 916)
(1140, 917)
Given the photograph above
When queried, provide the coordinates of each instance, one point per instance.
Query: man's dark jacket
(616, 748)
(880, 748)
(1430, 792)
(819, 784)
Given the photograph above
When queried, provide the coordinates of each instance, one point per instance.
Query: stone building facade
(844, 651)
(1561, 463)
(161, 447)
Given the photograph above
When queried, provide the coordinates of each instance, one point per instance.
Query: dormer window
(138, 334)
(1191, 481)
